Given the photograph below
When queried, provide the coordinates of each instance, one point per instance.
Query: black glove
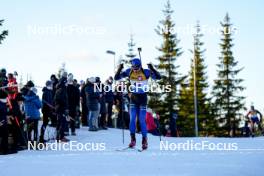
(150, 66)
(120, 67)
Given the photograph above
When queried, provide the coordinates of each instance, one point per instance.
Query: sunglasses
(136, 68)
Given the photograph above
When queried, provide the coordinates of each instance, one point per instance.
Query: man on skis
(252, 115)
(138, 101)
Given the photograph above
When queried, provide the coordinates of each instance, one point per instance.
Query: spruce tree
(227, 89)
(167, 101)
(186, 100)
(131, 53)
(4, 33)
(131, 44)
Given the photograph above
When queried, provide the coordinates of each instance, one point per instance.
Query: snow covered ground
(247, 160)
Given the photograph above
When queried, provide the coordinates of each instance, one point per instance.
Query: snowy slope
(248, 160)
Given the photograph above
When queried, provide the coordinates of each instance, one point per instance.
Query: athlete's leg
(133, 115)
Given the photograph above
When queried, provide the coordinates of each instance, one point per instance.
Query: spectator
(109, 99)
(61, 108)
(73, 102)
(32, 106)
(47, 108)
(151, 125)
(92, 96)
(84, 113)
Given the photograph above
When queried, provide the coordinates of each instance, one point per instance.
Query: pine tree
(131, 44)
(167, 101)
(186, 100)
(227, 89)
(131, 53)
(4, 33)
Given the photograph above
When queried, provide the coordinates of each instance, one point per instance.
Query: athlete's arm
(153, 72)
(260, 115)
(248, 115)
(119, 74)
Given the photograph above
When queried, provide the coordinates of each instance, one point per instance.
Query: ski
(127, 148)
(141, 150)
(124, 149)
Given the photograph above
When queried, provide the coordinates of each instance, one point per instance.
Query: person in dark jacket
(27, 88)
(32, 105)
(3, 81)
(54, 81)
(102, 103)
(47, 108)
(109, 99)
(84, 113)
(16, 128)
(3, 124)
(92, 96)
(78, 110)
(61, 108)
(73, 102)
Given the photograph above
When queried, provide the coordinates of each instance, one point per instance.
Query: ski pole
(122, 117)
(139, 53)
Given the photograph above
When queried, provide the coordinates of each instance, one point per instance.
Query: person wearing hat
(61, 109)
(139, 81)
(84, 112)
(73, 102)
(92, 99)
(32, 105)
(47, 108)
(109, 99)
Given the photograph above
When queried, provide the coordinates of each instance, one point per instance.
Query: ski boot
(132, 144)
(144, 143)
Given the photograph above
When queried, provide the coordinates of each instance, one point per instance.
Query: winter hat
(30, 84)
(136, 63)
(82, 82)
(3, 71)
(48, 83)
(70, 78)
(97, 79)
(92, 79)
(34, 90)
(62, 81)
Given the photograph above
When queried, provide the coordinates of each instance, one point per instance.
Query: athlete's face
(135, 69)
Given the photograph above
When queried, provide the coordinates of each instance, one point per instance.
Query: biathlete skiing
(252, 115)
(138, 78)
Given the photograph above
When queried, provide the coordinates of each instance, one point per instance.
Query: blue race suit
(138, 99)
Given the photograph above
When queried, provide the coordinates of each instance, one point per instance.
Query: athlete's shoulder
(147, 72)
(127, 71)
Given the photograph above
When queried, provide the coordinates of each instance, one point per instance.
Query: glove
(120, 67)
(150, 66)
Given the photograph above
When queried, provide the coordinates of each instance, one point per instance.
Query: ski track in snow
(248, 160)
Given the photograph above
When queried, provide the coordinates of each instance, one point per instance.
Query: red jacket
(13, 89)
(150, 122)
